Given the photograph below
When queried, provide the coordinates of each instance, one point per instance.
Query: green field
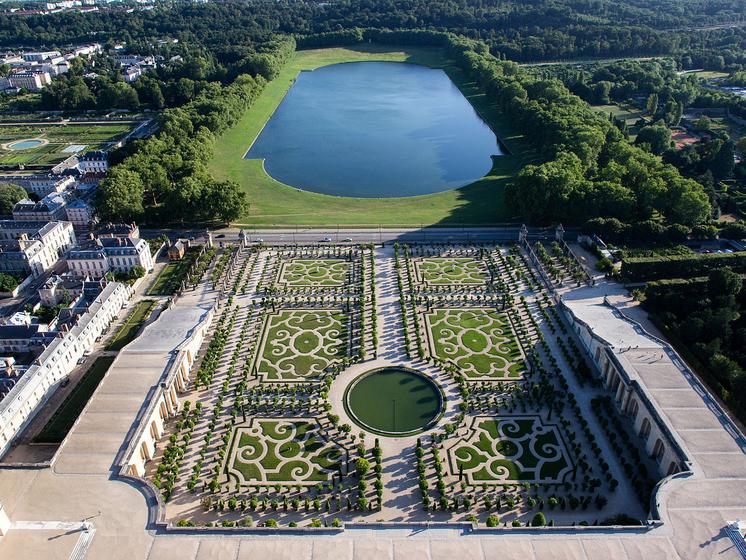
(622, 112)
(92, 136)
(63, 419)
(272, 203)
(131, 327)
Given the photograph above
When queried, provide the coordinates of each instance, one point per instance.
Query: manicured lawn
(64, 418)
(283, 451)
(480, 342)
(128, 331)
(299, 344)
(272, 203)
(173, 274)
(511, 449)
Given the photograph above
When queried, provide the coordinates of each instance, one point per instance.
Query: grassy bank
(64, 417)
(173, 274)
(131, 327)
(272, 203)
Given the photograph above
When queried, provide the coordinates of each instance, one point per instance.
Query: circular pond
(394, 401)
(25, 144)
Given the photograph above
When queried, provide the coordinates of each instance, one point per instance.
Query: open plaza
(369, 401)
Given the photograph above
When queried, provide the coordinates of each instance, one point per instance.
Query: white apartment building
(29, 247)
(40, 56)
(80, 214)
(56, 361)
(49, 209)
(87, 50)
(110, 254)
(55, 68)
(93, 162)
(42, 185)
(131, 74)
(32, 81)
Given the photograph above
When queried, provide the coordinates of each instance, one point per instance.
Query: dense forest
(165, 179)
(706, 317)
(521, 31)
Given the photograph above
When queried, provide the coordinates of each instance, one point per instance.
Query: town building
(118, 230)
(24, 391)
(177, 250)
(39, 56)
(131, 74)
(50, 208)
(94, 162)
(59, 288)
(80, 214)
(31, 247)
(110, 254)
(31, 80)
(41, 184)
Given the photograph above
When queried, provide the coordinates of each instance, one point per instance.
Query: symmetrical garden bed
(285, 451)
(450, 271)
(314, 272)
(507, 449)
(480, 342)
(301, 344)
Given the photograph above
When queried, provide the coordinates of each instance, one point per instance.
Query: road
(306, 236)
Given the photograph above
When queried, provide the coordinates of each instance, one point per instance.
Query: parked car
(326, 240)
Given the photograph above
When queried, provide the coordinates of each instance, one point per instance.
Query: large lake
(375, 129)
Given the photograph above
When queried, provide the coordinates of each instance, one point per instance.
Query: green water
(394, 401)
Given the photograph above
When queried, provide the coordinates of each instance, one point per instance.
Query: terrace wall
(620, 379)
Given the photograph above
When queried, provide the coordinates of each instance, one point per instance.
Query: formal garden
(301, 344)
(480, 342)
(500, 436)
(510, 449)
(285, 451)
(453, 271)
(314, 272)
(47, 144)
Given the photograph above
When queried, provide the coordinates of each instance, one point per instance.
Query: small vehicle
(347, 240)
(65, 382)
(87, 353)
(260, 240)
(326, 240)
(220, 236)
